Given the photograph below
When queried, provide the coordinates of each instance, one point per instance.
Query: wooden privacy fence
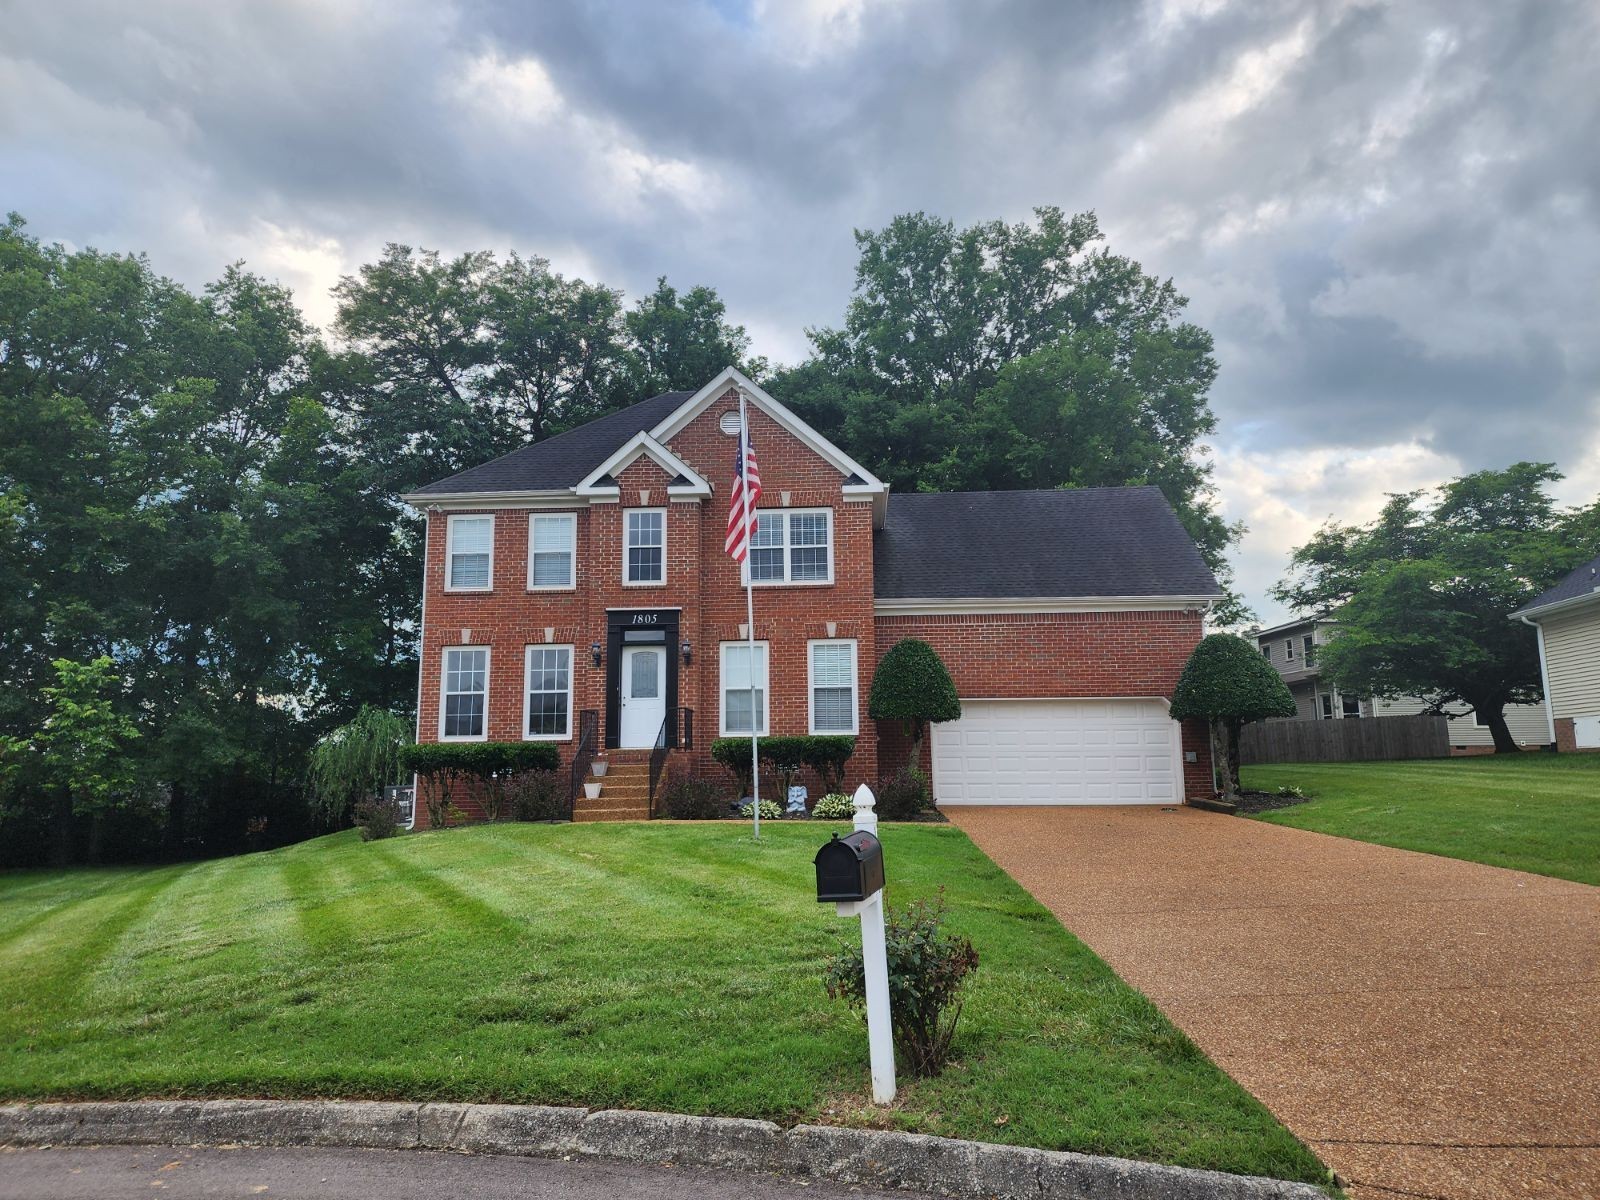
(1365, 739)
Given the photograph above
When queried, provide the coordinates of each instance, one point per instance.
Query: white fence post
(875, 966)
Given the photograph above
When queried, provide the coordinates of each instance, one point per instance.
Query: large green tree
(1422, 594)
(1019, 355)
(680, 341)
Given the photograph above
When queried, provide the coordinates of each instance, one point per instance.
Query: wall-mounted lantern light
(594, 653)
(688, 653)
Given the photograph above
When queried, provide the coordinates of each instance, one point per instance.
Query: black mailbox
(849, 867)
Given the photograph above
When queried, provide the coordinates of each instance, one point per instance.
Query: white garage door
(1058, 752)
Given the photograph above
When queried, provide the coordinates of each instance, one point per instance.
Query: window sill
(460, 591)
(648, 583)
(566, 587)
(548, 737)
(790, 583)
(482, 737)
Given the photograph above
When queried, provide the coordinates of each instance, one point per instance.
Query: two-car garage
(1058, 752)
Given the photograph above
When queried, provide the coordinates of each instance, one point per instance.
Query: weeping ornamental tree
(357, 761)
(1226, 682)
(911, 685)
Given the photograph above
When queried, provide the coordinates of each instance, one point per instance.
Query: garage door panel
(1057, 752)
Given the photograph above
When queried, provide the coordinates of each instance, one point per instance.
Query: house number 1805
(645, 618)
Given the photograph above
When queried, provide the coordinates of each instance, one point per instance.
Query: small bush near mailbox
(927, 967)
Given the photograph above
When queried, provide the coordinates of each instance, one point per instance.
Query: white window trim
(450, 550)
(1288, 649)
(444, 659)
(572, 567)
(527, 691)
(764, 726)
(644, 583)
(785, 513)
(855, 687)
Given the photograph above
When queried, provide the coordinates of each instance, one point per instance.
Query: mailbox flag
(743, 496)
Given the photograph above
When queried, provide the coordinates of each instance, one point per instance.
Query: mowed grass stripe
(1530, 812)
(666, 966)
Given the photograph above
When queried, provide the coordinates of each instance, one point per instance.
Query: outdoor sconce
(594, 653)
(688, 653)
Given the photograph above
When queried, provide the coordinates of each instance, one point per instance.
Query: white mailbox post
(875, 962)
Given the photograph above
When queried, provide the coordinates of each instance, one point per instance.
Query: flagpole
(750, 614)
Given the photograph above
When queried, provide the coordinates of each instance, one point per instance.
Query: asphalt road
(194, 1173)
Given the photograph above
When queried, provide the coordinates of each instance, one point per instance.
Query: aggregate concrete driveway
(1430, 1027)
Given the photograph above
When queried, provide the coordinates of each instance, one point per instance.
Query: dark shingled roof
(564, 460)
(1073, 542)
(1582, 582)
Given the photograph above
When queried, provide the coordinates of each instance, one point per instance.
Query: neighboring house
(579, 587)
(1292, 648)
(1567, 618)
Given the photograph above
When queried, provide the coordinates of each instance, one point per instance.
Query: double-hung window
(1308, 647)
(464, 694)
(833, 686)
(470, 553)
(1288, 649)
(739, 702)
(644, 546)
(792, 546)
(549, 693)
(552, 546)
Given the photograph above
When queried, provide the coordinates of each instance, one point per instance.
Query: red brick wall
(1059, 656)
(702, 580)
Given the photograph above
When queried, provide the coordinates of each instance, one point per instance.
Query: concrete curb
(876, 1158)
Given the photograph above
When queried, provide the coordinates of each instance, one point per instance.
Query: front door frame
(648, 626)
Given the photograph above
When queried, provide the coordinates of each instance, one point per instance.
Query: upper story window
(552, 551)
(1288, 649)
(739, 699)
(549, 693)
(464, 694)
(792, 546)
(1266, 651)
(644, 546)
(1351, 705)
(833, 686)
(469, 553)
(1308, 647)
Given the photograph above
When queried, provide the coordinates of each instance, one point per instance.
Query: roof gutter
(970, 605)
(1556, 606)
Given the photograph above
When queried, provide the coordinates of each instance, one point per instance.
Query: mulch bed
(1254, 802)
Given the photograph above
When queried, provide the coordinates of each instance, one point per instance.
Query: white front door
(1058, 752)
(644, 696)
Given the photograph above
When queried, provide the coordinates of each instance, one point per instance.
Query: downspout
(1544, 680)
(422, 636)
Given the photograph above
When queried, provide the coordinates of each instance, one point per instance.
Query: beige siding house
(1292, 649)
(1567, 618)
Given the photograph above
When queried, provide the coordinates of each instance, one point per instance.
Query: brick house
(577, 591)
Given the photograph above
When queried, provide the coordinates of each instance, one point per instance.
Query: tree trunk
(1225, 750)
(61, 851)
(97, 838)
(1504, 743)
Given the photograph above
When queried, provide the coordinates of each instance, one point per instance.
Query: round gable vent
(729, 423)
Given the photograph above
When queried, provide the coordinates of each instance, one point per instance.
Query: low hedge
(483, 759)
(827, 753)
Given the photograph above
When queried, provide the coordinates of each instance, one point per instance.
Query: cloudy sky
(1387, 214)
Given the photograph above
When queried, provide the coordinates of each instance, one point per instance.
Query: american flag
(742, 500)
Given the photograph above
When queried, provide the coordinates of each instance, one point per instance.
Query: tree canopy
(1019, 355)
(1422, 595)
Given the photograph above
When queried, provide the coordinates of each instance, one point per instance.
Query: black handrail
(582, 755)
(658, 760)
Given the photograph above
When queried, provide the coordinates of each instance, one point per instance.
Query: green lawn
(665, 966)
(1532, 812)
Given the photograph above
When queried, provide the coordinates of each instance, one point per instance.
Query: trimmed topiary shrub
(835, 806)
(734, 753)
(1227, 683)
(912, 686)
